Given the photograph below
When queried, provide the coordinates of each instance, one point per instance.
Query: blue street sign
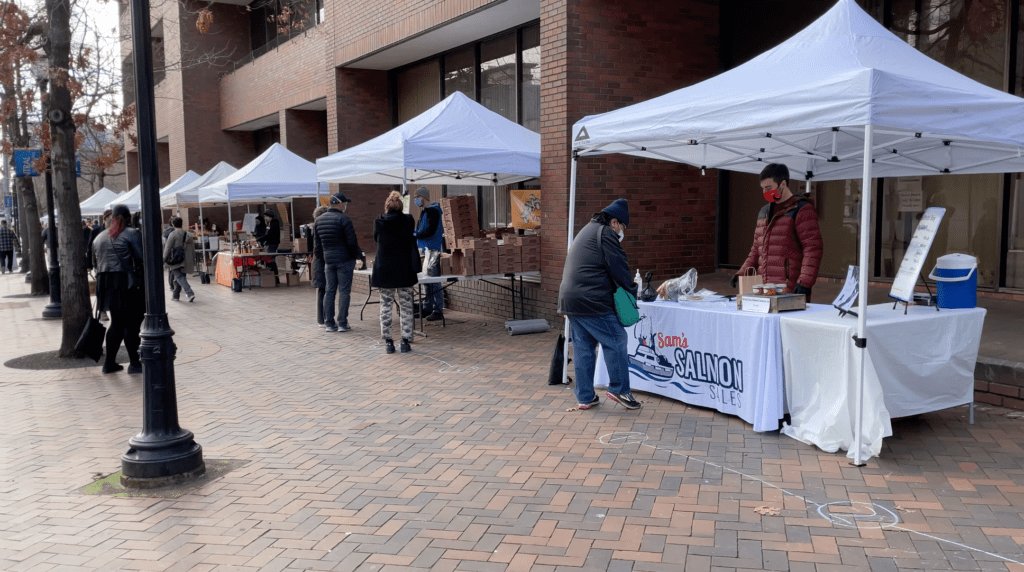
(23, 159)
(8, 202)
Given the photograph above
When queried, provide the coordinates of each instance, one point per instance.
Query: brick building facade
(353, 70)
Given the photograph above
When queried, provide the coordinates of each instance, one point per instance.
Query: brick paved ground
(459, 457)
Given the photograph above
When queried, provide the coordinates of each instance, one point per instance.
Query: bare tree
(16, 102)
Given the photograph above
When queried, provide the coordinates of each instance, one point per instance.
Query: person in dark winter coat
(335, 243)
(117, 252)
(317, 274)
(787, 244)
(395, 268)
(595, 267)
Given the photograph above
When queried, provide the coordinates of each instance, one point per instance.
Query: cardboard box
(267, 279)
(468, 267)
(446, 264)
(291, 279)
(771, 304)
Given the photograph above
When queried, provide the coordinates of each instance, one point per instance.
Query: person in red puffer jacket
(787, 242)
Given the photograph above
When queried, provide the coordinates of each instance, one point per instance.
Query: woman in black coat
(395, 268)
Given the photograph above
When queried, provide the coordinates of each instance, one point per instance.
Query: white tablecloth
(709, 354)
(916, 363)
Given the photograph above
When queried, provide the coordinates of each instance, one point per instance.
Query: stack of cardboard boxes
(475, 253)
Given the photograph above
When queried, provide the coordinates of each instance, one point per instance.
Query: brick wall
(601, 56)
(308, 133)
(294, 73)
(358, 110)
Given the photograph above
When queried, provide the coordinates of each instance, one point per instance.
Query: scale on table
(912, 266)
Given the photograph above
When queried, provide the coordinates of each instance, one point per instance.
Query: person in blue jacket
(428, 239)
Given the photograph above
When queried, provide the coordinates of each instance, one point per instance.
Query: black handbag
(90, 342)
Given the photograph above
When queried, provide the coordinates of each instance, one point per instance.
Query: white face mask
(622, 235)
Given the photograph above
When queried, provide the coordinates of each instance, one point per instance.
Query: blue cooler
(956, 279)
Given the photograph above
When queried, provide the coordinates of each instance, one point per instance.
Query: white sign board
(917, 252)
(249, 222)
(911, 201)
(759, 305)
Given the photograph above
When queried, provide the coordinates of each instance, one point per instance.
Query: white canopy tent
(180, 183)
(188, 195)
(131, 199)
(96, 204)
(456, 142)
(843, 89)
(276, 174)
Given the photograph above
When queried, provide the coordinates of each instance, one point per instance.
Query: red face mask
(772, 195)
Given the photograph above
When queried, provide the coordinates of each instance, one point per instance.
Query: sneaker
(435, 316)
(389, 346)
(331, 329)
(624, 399)
(192, 298)
(175, 299)
(135, 368)
(592, 403)
(405, 346)
(344, 328)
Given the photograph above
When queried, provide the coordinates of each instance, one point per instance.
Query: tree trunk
(29, 212)
(31, 237)
(74, 284)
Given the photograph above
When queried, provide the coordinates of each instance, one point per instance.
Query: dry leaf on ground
(767, 510)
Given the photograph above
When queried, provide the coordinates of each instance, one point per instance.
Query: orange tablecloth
(230, 265)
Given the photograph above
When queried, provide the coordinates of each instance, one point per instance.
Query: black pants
(125, 324)
(7, 259)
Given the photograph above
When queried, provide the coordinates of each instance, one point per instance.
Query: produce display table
(709, 354)
(229, 266)
(919, 362)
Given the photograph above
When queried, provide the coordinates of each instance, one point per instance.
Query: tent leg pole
(862, 302)
(569, 233)
(231, 228)
(202, 238)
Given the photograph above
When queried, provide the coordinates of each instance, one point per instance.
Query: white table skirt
(920, 362)
(711, 355)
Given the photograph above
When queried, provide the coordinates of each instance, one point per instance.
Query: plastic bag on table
(677, 288)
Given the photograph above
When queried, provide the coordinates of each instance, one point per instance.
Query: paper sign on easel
(851, 289)
(917, 252)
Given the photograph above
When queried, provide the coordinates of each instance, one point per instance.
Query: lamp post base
(53, 309)
(162, 467)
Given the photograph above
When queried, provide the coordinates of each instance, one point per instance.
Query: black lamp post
(52, 310)
(163, 453)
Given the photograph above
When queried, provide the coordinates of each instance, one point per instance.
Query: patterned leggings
(387, 299)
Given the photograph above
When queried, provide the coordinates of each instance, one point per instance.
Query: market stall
(133, 198)
(709, 354)
(96, 204)
(456, 142)
(188, 196)
(842, 90)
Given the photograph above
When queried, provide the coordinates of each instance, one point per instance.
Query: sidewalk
(459, 457)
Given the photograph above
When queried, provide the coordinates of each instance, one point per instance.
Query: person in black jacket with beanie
(595, 267)
(395, 268)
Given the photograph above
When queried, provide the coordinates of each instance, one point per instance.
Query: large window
(503, 74)
(273, 22)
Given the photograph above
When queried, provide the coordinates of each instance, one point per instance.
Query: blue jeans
(339, 281)
(433, 301)
(587, 332)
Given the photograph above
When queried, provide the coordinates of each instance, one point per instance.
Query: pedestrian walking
(179, 257)
(8, 242)
(336, 244)
(595, 267)
(117, 252)
(395, 268)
